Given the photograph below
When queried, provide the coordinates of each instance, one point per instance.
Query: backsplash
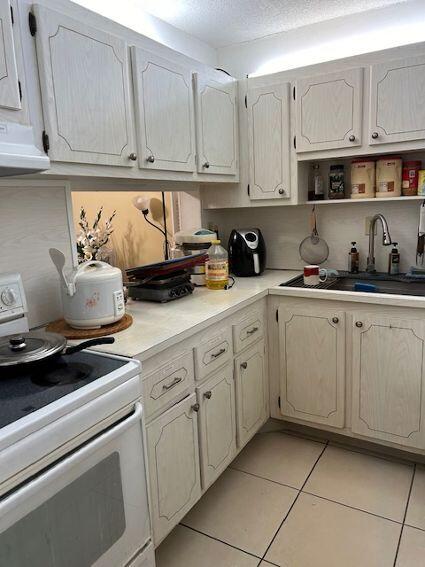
(284, 228)
(33, 218)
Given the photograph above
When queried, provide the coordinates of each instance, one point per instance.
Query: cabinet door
(329, 111)
(173, 460)
(216, 125)
(85, 91)
(164, 107)
(312, 364)
(397, 110)
(251, 392)
(9, 88)
(388, 379)
(268, 133)
(217, 424)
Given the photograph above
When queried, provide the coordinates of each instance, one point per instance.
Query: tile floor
(294, 502)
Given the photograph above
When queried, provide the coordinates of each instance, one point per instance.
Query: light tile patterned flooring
(295, 502)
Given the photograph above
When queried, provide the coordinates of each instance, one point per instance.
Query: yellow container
(421, 182)
(217, 267)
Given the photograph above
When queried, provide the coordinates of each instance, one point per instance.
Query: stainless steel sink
(365, 282)
(379, 286)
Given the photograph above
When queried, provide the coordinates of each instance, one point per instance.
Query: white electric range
(73, 487)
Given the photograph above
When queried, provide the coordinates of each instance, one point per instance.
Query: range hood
(18, 153)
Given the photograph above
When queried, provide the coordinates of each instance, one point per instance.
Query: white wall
(284, 227)
(34, 216)
(130, 13)
(392, 26)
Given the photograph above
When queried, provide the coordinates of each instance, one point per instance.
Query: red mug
(313, 275)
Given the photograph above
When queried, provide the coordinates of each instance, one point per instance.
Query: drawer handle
(335, 320)
(176, 381)
(196, 407)
(252, 331)
(359, 324)
(208, 395)
(244, 365)
(219, 353)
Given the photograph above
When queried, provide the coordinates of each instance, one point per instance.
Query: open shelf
(370, 200)
(305, 179)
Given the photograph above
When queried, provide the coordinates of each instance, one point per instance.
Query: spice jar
(421, 182)
(362, 179)
(388, 177)
(336, 182)
(410, 177)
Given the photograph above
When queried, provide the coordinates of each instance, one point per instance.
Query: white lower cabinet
(389, 379)
(312, 364)
(173, 457)
(251, 392)
(217, 424)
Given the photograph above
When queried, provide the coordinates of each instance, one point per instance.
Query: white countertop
(157, 326)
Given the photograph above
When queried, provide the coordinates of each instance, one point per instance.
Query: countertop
(157, 326)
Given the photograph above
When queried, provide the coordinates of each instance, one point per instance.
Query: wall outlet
(367, 225)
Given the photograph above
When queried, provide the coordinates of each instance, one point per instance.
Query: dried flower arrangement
(91, 242)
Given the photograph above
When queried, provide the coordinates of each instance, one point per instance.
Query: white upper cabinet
(84, 74)
(329, 111)
(397, 109)
(389, 379)
(216, 124)
(164, 104)
(9, 87)
(268, 135)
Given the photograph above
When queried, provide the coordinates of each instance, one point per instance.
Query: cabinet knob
(352, 138)
(133, 156)
(281, 191)
(335, 320)
(359, 324)
(150, 159)
(244, 365)
(206, 165)
(375, 135)
(208, 395)
(196, 407)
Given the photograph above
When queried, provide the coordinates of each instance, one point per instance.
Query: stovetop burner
(23, 391)
(62, 373)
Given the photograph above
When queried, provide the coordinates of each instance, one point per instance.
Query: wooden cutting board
(61, 326)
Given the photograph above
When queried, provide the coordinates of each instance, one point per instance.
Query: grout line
(221, 541)
(404, 517)
(295, 500)
(351, 507)
(297, 488)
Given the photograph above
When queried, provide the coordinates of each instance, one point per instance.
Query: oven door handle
(25, 491)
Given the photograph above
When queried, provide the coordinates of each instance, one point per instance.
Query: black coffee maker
(247, 252)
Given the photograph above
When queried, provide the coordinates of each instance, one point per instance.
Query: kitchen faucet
(386, 240)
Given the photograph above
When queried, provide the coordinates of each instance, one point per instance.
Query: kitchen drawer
(248, 330)
(167, 383)
(213, 351)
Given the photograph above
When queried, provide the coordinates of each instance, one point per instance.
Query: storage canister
(336, 182)
(362, 179)
(410, 177)
(388, 177)
(421, 182)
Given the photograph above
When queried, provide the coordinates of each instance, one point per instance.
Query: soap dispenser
(353, 259)
(394, 260)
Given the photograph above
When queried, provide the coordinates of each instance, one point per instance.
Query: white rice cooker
(92, 294)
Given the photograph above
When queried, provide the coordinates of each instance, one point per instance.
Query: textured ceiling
(224, 22)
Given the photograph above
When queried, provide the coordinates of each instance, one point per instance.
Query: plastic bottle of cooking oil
(217, 266)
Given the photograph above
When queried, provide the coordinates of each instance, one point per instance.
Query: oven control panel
(13, 305)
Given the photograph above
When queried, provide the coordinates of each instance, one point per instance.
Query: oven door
(90, 508)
